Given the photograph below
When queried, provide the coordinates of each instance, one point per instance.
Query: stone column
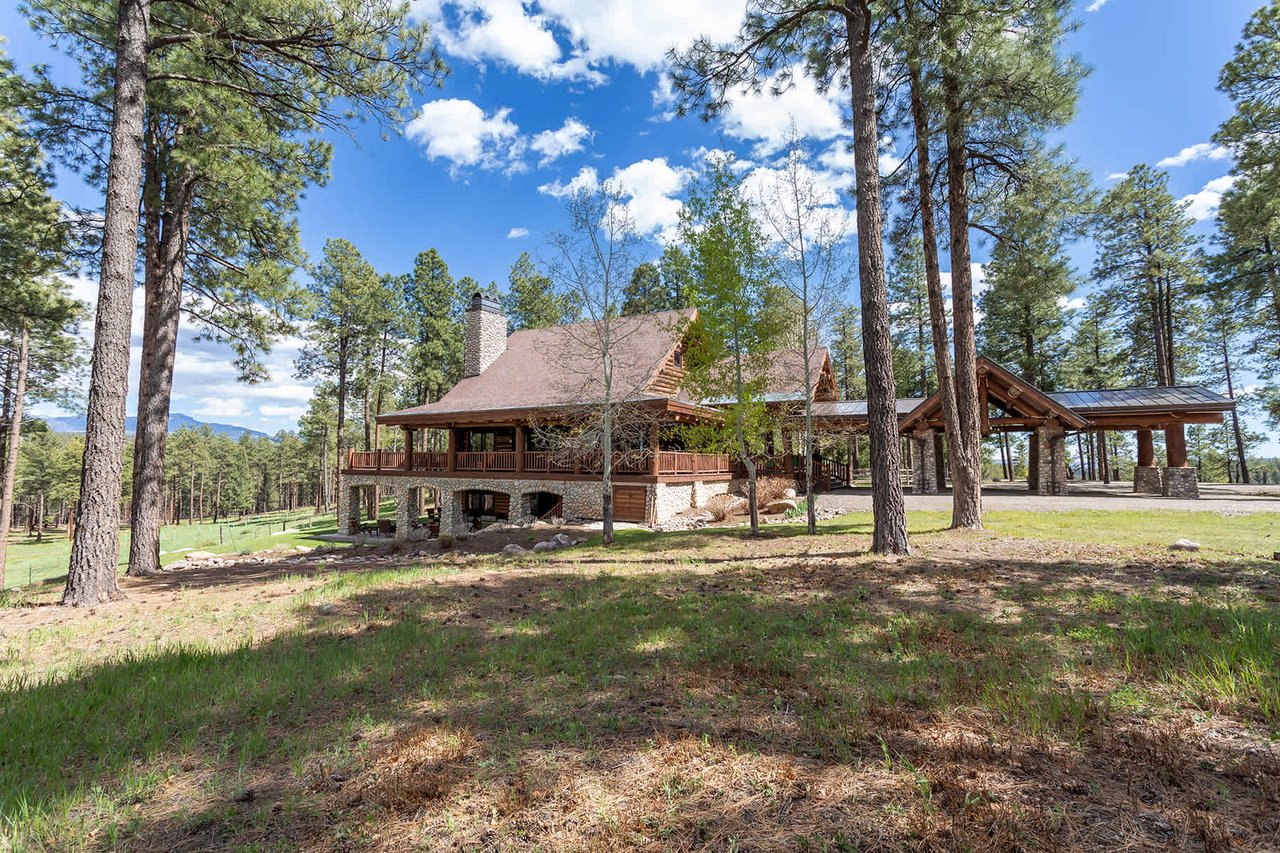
(924, 475)
(349, 508)
(452, 520)
(1033, 461)
(1146, 476)
(406, 511)
(1180, 480)
(1050, 459)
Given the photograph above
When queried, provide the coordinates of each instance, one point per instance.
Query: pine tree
(836, 45)
(676, 277)
(435, 360)
(1030, 277)
(350, 307)
(1146, 254)
(909, 314)
(735, 334)
(644, 294)
(531, 301)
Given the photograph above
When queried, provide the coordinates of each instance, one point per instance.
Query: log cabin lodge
(493, 465)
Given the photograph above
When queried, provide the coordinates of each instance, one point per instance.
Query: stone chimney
(486, 335)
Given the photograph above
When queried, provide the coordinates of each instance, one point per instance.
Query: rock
(562, 540)
(781, 505)
(178, 566)
(304, 549)
(423, 552)
(513, 548)
(327, 609)
(541, 547)
(199, 555)
(1185, 545)
(789, 493)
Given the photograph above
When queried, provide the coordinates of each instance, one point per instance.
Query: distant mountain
(75, 423)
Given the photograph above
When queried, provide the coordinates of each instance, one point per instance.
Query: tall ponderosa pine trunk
(166, 267)
(343, 506)
(888, 508)
(11, 446)
(1235, 415)
(933, 278)
(92, 574)
(966, 444)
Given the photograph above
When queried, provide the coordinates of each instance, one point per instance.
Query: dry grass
(987, 693)
(770, 489)
(725, 507)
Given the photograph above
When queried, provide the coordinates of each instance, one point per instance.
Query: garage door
(628, 503)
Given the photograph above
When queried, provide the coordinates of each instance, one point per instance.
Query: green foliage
(1146, 255)
(645, 293)
(738, 326)
(432, 305)
(846, 353)
(1029, 276)
(909, 316)
(531, 301)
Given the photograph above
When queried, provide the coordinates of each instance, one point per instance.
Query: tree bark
(889, 534)
(12, 446)
(933, 283)
(1235, 415)
(155, 380)
(92, 576)
(966, 447)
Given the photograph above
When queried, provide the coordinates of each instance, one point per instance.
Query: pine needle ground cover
(679, 692)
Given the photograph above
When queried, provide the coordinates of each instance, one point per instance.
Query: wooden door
(629, 503)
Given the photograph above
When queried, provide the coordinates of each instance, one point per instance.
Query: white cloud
(978, 272)
(553, 144)
(767, 118)
(517, 233)
(271, 410)
(648, 186)
(1096, 5)
(575, 39)
(1192, 153)
(1204, 204)
(586, 179)
(204, 376)
(459, 131)
(1117, 176)
(770, 190)
(1071, 304)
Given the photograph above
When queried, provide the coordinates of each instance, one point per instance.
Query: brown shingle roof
(559, 366)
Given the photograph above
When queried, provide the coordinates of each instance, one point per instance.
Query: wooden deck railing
(502, 460)
(670, 462)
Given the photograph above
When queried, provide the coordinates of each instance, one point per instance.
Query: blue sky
(542, 94)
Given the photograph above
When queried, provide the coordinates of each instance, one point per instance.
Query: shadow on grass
(828, 668)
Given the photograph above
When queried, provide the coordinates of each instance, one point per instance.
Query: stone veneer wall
(1147, 480)
(924, 463)
(581, 498)
(1181, 483)
(486, 338)
(669, 499)
(1050, 460)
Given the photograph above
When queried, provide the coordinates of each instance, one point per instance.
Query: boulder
(781, 505)
(562, 540)
(1185, 545)
(193, 556)
(513, 548)
(541, 547)
(789, 493)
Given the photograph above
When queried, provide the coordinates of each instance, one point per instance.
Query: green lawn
(1256, 535)
(32, 561)
(759, 694)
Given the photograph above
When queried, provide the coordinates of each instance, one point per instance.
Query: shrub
(770, 489)
(722, 507)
